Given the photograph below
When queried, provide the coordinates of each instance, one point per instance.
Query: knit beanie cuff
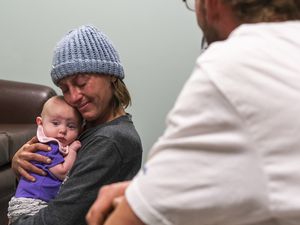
(86, 66)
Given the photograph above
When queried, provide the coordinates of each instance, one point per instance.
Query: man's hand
(21, 161)
(108, 198)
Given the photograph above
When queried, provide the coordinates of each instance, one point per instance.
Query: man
(230, 153)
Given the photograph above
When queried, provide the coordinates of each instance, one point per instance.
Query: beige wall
(157, 39)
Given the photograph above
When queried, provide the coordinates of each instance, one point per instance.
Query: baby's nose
(63, 130)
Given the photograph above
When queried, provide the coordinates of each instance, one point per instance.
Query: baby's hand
(75, 146)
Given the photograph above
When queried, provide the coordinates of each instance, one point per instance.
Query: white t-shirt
(230, 154)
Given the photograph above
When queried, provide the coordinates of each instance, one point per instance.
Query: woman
(87, 69)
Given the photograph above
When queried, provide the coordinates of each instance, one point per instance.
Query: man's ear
(220, 15)
(39, 120)
(213, 10)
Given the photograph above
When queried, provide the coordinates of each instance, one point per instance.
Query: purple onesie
(45, 187)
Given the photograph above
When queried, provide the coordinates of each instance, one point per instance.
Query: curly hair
(251, 11)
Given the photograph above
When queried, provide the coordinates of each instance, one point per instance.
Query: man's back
(232, 137)
(260, 77)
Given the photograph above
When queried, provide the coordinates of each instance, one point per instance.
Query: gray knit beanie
(85, 50)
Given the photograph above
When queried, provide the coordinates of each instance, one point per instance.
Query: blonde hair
(121, 96)
(253, 11)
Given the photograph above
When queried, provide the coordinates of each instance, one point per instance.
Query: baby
(59, 126)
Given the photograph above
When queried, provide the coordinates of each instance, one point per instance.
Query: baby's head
(60, 120)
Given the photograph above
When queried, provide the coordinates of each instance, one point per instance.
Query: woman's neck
(106, 118)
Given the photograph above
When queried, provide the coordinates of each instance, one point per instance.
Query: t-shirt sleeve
(55, 156)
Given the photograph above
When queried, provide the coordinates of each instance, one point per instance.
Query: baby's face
(61, 122)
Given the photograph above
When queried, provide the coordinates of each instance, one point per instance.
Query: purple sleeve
(55, 155)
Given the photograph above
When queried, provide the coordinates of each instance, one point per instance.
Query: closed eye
(64, 90)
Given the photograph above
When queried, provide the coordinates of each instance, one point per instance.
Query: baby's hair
(61, 98)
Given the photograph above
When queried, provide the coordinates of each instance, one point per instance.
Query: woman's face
(91, 94)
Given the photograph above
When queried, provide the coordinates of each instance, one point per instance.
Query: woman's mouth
(83, 107)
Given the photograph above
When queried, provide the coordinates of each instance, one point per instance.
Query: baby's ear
(39, 120)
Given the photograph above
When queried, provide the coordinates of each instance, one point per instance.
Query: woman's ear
(39, 120)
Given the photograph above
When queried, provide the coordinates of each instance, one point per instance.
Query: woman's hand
(21, 161)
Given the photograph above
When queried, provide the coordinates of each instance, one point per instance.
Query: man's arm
(123, 215)
(110, 197)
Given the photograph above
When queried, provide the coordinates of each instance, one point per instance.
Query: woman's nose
(74, 96)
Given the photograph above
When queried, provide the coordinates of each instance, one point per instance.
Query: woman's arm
(98, 163)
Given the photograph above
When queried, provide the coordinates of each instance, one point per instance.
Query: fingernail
(33, 179)
(44, 173)
(49, 148)
(48, 160)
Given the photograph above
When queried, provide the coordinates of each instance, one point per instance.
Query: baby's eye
(72, 126)
(55, 123)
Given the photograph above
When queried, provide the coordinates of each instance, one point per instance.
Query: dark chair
(20, 104)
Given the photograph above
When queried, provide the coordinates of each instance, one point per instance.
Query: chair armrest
(22, 102)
